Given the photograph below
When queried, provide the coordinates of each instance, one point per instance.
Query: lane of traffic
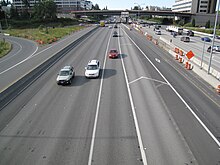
(52, 124)
(157, 130)
(189, 89)
(116, 140)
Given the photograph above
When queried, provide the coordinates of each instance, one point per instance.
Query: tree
(96, 7)
(13, 12)
(207, 25)
(136, 8)
(45, 9)
(25, 13)
(193, 22)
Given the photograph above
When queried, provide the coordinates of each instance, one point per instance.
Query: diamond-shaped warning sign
(190, 54)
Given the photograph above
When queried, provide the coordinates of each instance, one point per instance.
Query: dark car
(115, 34)
(115, 26)
(190, 33)
(206, 39)
(185, 39)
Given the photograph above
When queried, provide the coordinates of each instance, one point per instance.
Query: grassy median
(5, 47)
(44, 35)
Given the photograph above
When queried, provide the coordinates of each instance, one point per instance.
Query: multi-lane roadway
(196, 45)
(143, 109)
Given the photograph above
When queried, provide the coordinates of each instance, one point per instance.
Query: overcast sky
(127, 4)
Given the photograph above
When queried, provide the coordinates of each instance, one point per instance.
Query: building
(195, 6)
(202, 10)
(156, 8)
(63, 6)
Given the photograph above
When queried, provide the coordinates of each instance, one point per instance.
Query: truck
(102, 23)
(175, 29)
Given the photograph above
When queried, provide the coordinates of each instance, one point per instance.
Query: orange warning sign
(190, 54)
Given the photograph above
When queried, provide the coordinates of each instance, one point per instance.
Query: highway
(143, 109)
(196, 45)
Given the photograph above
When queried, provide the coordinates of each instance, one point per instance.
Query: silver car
(65, 75)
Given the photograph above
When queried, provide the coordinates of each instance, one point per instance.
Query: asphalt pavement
(143, 109)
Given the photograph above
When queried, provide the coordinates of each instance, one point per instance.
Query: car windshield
(64, 73)
(113, 51)
(92, 67)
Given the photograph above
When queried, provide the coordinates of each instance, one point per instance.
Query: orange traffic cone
(186, 65)
(177, 57)
(218, 89)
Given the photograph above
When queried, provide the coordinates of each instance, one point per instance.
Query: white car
(92, 70)
(65, 75)
(215, 48)
(158, 32)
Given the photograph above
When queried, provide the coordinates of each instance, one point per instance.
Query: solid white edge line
(97, 107)
(7, 58)
(143, 154)
(33, 54)
(181, 98)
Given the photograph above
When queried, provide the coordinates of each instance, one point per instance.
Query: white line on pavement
(147, 79)
(181, 98)
(97, 107)
(140, 142)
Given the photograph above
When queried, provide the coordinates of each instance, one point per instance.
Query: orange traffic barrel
(176, 50)
(177, 57)
(181, 60)
(186, 65)
(189, 67)
(180, 52)
(218, 89)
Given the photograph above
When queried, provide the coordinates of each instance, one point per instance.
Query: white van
(158, 32)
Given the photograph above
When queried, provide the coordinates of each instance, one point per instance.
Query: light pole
(213, 41)
(139, 7)
(202, 54)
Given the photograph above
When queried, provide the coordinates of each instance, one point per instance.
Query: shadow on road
(109, 73)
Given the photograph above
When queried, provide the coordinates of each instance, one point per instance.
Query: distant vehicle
(157, 27)
(115, 34)
(115, 26)
(102, 23)
(110, 27)
(158, 32)
(92, 70)
(113, 53)
(215, 48)
(174, 34)
(206, 39)
(217, 37)
(178, 30)
(185, 39)
(190, 33)
(65, 75)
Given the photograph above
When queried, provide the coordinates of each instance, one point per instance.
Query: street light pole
(213, 41)
(202, 54)
(139, 7)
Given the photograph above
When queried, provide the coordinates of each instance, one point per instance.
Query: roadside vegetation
(5, 47)
(44, 34)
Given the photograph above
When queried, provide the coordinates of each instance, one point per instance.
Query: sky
(127, 4)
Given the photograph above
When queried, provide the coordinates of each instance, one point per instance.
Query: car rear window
(92, 67)
(113, 51)
(64, 73)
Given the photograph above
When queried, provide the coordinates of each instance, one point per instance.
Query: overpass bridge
(133, 12)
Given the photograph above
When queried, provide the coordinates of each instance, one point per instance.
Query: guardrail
(19, 86)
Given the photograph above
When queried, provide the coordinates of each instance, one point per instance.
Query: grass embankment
(5, 47)
(208, 31)
(44, 35)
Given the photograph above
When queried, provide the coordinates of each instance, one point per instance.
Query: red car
(113, 53)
